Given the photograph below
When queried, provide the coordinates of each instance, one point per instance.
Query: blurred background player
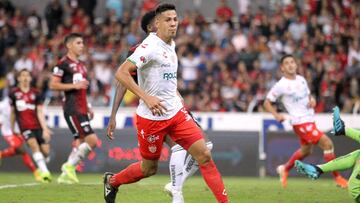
(14, 140)
(295, 96)
(70, 76)
(180, 166)
(156, 63)
(27, 109)
(348, 161)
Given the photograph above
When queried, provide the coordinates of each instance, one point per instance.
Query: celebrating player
(179, 167)
(70, 76)
(351, 160)
(295, 95)
(27, 109)
(161, 111)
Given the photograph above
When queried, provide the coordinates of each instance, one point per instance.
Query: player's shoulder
(34, 90)
(300, 77)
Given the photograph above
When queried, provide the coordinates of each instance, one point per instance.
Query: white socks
(176, 165)
(78, 154)
(181, 169)
(40, 161)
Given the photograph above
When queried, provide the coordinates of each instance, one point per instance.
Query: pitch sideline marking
(18, 185)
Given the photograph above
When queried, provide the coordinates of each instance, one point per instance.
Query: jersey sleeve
(59, 70)
(274, 93)
(141, 56)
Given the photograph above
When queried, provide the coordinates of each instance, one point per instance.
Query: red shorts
(14, 140)
(151, 134)
(308, 133)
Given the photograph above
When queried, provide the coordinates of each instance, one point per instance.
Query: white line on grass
(17, 185)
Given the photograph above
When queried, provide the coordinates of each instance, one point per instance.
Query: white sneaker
(177, 197)
(168, 189)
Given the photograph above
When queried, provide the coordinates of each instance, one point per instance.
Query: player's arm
(56, 84)
(124, 77)
(119, 95)
(274, 93)
(12, 118)
(40, 114)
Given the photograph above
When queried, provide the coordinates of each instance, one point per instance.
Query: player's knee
(150, 171)
(91, 140)
(204, 157)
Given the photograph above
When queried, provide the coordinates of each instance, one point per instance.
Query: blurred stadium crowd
(226, 64)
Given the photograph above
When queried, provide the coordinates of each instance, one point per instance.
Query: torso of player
(157, 75)
(25, 104)
(72, 72)
(295, 95)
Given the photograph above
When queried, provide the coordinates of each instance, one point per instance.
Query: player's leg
(283, 170)
(151, 135)
(80, 126)
(189, 136)
(39, 158)
(327, 146)
(354, 181)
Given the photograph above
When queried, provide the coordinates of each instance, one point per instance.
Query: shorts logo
(142, 133)
(143, 59)
(152, 148)
(86, 129)
(152, 138)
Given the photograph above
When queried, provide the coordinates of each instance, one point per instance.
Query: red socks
(328, 157)
(28, 161)
(213, 179)
(296, 156)
(131, 174)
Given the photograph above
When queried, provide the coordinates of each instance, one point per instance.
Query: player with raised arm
(70, 76)
(351, 160)
(14, 140)
(295, 95)
(27, 109)
(161, 111)
(180, 166)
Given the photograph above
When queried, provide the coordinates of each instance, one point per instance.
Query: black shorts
(79, 125)
(34, 133)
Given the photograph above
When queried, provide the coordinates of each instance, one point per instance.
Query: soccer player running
(351, 160)
(180, 166)
(27, 109)
(295, 96)
(160, 111)
(70, 76)
(15, 141)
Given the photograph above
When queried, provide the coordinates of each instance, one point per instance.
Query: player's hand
(84, 84)
(312, 102)
(280, 118)
(90, 114)
(155, 105)
(110, 128)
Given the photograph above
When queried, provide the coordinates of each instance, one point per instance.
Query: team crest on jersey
(143, 59)
(152, 148)
(32, 96)
(18, 95)
(152, 138)
(164, 55)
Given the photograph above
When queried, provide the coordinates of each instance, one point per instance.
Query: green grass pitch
(21, 188)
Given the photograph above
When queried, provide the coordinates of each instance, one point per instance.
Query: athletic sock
(8, 152)
(40, 161)
(328, 156)
(341, 163)
(296, 156)
(191, 166)
(131, 174)
(28, 161)
(82, 151)
(214, 181)
(176, 165)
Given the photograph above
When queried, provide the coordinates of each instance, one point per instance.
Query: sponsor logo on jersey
(169, 76)
(152, 148)
(153, 138)
(165, 65)
(143, 59)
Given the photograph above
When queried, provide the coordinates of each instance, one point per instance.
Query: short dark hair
(23, 70)
(164, 7)
(146, 20)
(285, 56)
(72, 36)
